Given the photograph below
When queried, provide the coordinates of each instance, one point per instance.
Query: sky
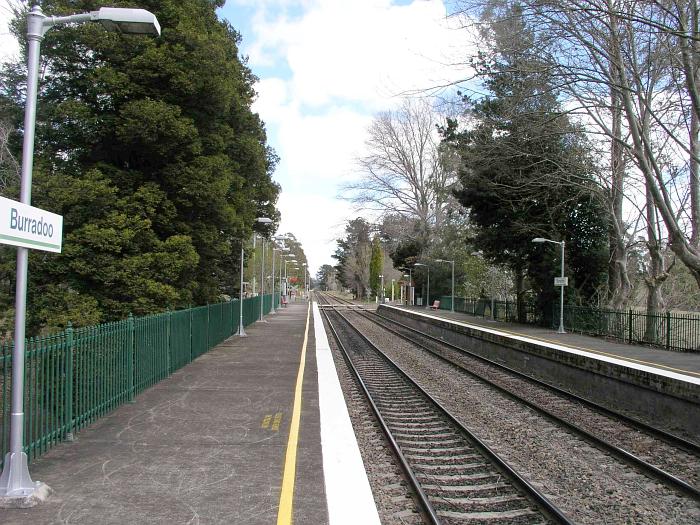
(325, 69)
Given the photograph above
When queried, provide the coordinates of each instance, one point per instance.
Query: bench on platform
(435, 305)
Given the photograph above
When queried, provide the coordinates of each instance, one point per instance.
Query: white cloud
(9, 46)
(337, 63)
(365, 51)
(316, 222)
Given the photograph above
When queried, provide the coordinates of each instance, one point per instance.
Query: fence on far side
(76, 376)
(670, 330)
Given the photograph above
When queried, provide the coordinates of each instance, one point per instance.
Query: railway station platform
(253, 432)
(652, 383)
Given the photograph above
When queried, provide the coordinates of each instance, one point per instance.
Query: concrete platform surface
(683, 362)
(206, 445)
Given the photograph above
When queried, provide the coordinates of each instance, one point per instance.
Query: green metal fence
(670, 330)
(75, 377)
(673, 331)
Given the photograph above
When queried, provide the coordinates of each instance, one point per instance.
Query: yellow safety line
(284, 513)
(574, 347)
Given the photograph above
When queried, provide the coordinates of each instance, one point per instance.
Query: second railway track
(458, 478)
(652, 447)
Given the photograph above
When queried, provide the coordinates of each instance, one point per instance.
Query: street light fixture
(453, 281)
(562, 282)
(15, 481)
(427, 305)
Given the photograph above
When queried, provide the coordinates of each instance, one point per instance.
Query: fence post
(668, 330)
(208, 321)
(170, 343)
(130, 356)
(190, 311)
(629, 326)
(69, 382)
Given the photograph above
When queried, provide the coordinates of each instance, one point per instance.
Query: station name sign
(30, 227)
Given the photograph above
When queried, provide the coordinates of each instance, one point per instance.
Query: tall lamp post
(241, 330)
(561, 283)
(15, 481)
(453, 281)
(306, 293)
(262, 220)
(427, 305)
(410, 285)
(283, 249)
(272, 293)
(381, 277)
(280, 250)
(262, 279)
(286, 280)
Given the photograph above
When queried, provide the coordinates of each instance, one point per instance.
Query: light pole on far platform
(428, 293)
(453, 282)
(562, 283)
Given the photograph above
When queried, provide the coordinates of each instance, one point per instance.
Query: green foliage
(526, 170)
(149, 148)
(376, 263)
(353, 255)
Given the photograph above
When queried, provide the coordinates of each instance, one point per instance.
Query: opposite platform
(656, 385)
(213, 443)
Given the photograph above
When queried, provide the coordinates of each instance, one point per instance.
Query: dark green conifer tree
(149, 149)
(526, 170)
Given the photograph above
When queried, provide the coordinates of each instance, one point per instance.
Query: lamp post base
(241, 332)
(17, 490)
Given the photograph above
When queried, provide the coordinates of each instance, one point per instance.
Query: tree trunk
(695, 182)
(643, 148)
(619, 287)
(655, 277)
(520, 293)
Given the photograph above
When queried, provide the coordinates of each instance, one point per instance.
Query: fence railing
(74, 377)
(670, 330)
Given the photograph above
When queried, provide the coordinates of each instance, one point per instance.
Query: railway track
(455, 476)
(665, 457)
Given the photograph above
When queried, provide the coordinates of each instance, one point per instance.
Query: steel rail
(670, 438)
(420, 493)
(600, 443)
(547, 506)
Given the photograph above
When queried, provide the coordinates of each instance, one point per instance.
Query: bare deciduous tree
(404, 171)
(630, 69)
(9, 167)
